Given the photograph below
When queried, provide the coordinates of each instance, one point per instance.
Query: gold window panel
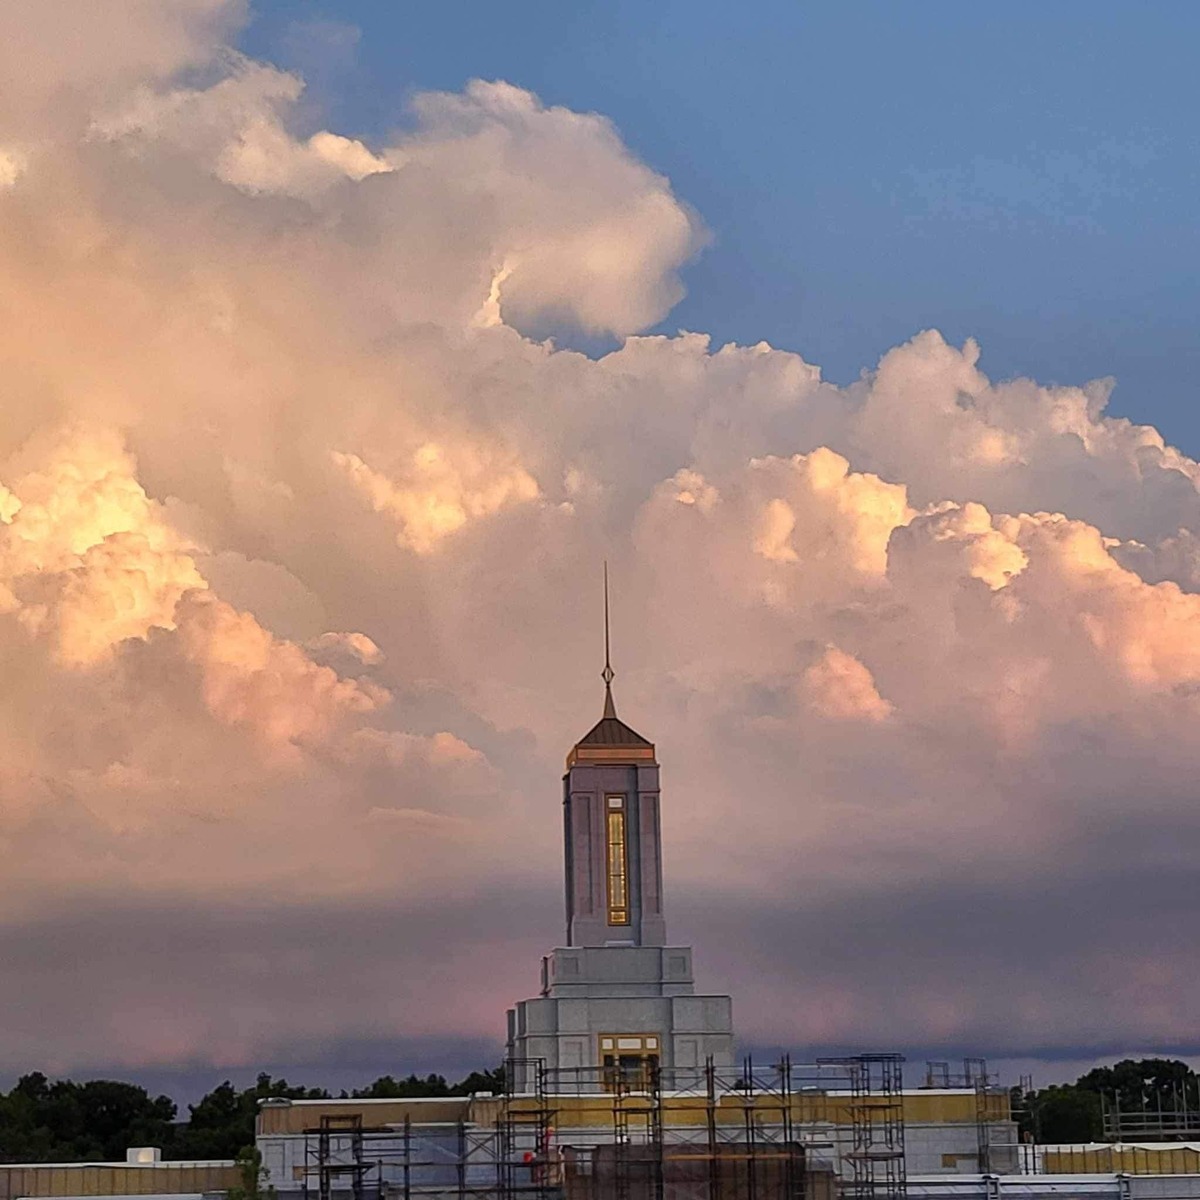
(618, 862)
(629, 1062)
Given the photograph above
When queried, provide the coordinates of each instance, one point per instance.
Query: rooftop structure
(144, 1176)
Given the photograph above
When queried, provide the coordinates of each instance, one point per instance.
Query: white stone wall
(566, 1032)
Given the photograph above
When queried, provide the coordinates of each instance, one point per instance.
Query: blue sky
(1025, 174)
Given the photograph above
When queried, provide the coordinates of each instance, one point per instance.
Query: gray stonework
(586, 788)
(618, 971)
(567, 1033)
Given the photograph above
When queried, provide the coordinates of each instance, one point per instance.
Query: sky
(1020, 173)
(341, 343)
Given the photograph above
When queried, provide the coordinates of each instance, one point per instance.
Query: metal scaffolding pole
(876, 1109)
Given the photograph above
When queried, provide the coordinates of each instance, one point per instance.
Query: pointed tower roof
(610, 739)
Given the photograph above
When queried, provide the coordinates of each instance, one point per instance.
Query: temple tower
(616, 995)
(612, 839)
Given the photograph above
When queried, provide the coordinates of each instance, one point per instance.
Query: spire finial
(610, 709)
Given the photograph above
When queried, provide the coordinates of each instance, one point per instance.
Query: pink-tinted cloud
(299, 538)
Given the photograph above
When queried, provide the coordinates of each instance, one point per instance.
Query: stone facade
(588, 789)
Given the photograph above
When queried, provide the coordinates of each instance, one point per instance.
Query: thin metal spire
(610, 709)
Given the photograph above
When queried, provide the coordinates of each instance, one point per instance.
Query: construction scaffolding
(339, 1155)
(704, 1133)
(526, 1165)
(781, 1132)
(1174, 1118)
(876, 1108)
(983, 1124)
(997, 1147)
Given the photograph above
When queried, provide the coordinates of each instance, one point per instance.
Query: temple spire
(610, 740)
(610, 709)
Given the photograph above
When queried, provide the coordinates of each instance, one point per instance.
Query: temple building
(616, 996)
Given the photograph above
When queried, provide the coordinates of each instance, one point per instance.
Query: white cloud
(839, 686)
(444, 489)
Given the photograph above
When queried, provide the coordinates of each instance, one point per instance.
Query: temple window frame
(616, 857)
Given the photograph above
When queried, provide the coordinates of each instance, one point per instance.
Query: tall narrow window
(618, 863)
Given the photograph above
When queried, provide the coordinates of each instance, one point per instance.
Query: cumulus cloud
(87, 560)
(52, 77)
(300, 525)
(840, 686)
(445, 489)
(237, 127)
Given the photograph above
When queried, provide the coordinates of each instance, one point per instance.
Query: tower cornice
(611, 754)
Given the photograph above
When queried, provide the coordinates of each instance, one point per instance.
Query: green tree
(1074, 1112)
(119, 1115)
(387, 1088)
(66, 1121)
(253, 1176)
(1143, 1085)
(481, 1081)
(221, 1125)
(1064, 1113)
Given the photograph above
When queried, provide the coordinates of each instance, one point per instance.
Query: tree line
(97, 1121)
(64, 1121)
(1074, 1112)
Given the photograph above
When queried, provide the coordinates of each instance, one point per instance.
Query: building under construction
(780, 1132)
(622, 1082)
